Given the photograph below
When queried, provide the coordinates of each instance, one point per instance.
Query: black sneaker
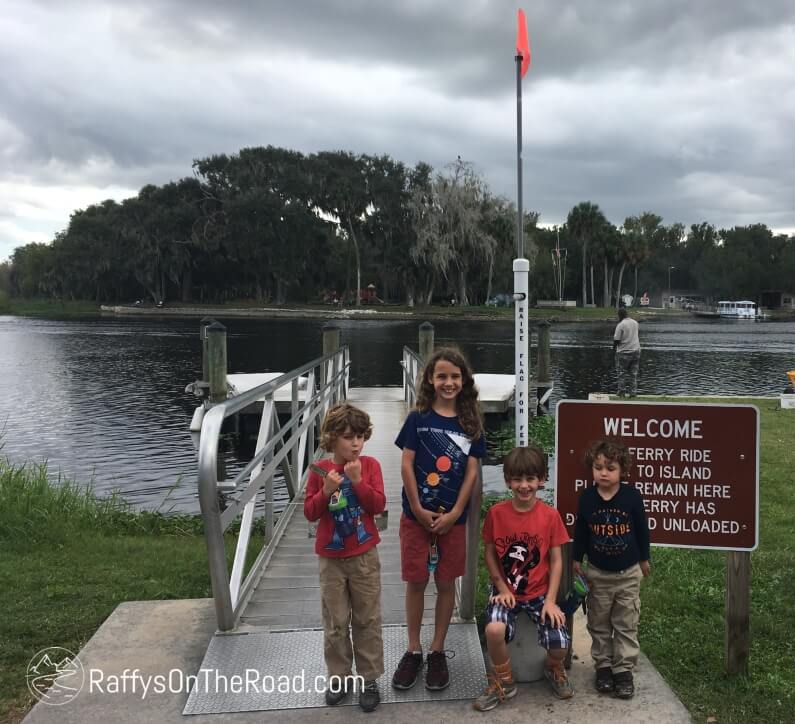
(437, 677)
(623, 685)
(604, 680)
(370, 697)
(337, 697)
(407, 671)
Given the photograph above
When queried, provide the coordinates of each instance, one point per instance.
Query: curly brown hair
(530, 461)
(338, 419)
(467, 406)
(612, 451)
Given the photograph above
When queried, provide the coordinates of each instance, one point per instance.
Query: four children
(442, 441)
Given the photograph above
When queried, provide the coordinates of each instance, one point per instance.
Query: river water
(102, 400)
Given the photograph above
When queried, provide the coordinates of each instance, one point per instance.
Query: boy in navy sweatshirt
(613, 532)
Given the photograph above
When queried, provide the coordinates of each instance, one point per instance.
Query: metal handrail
(412, 365)
(466, 585)
(326, 383)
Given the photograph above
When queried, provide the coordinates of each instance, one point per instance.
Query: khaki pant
(350, 594)
(613, 616)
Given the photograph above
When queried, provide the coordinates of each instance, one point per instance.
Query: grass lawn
(48, 308)
(682, 619)
(68, 560)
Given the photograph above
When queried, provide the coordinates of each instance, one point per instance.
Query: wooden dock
(288, 593)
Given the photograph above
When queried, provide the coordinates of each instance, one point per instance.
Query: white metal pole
(521, 274)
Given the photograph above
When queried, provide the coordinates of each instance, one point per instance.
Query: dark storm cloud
(682, 108)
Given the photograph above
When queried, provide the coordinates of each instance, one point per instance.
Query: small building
(776, 299)
(689, 299)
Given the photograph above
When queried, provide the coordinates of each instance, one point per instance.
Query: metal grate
(298, 655)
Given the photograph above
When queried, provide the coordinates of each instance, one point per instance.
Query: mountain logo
(55, 676)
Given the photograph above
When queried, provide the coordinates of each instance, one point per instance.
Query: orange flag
(522, 43)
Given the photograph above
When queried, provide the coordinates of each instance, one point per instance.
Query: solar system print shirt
(442, 450)
(523, 540)
(613, 533)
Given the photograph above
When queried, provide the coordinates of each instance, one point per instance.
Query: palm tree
(583, 221)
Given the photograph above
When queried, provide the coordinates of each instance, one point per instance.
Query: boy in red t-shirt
(522, 538)
(345, 501)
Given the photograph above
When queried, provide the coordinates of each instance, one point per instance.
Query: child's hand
(645, 568)
(353, 470)
(506, 599)
(443, 523)
(577, 567)
(331, 482)
(426, 518)
(551, 612)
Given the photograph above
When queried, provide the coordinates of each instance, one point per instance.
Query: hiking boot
(556, 676)
(500, 687)
(623, 685)
(604, 680)
(337, 697)
(407, 671)
(437, 677)
(497, 691)
(370, 697)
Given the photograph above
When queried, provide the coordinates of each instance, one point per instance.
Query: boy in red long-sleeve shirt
(344, 502)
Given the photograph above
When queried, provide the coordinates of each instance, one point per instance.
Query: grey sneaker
(370, 697)
(497, 691)
(556, 676)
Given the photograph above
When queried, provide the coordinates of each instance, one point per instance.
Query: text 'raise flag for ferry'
(522, 43)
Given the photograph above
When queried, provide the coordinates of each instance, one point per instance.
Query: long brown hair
(466, 403)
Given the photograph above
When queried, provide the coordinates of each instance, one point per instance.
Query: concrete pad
(158, 637)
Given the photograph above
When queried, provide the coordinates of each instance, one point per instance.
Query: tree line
(276, 226)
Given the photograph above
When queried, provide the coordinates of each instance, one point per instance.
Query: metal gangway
(268, 609)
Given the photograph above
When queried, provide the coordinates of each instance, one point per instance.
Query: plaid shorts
(549, 637)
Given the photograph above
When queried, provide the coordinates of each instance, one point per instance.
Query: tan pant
(613, 616)
(350, 594)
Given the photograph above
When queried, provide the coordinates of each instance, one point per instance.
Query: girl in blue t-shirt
(442, 442)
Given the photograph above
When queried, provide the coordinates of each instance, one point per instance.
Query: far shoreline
(252, 310)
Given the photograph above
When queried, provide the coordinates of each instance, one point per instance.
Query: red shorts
(415, 543)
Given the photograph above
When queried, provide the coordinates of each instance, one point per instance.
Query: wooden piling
(543, 365)
(331, 343)
(426, 341)
(216, 362)
(205, 322)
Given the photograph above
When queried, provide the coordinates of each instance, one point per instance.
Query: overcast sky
(683, 108)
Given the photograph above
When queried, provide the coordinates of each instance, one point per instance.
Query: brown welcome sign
(695, 465)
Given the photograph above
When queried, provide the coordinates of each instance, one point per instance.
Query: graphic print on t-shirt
(521, 554)
(611, 531)
(448, 452)
(347, 520)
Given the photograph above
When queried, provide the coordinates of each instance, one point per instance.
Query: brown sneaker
(437, 677)
(556, 676)
(407, 671)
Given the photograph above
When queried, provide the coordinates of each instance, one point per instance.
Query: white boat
(739, 310)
